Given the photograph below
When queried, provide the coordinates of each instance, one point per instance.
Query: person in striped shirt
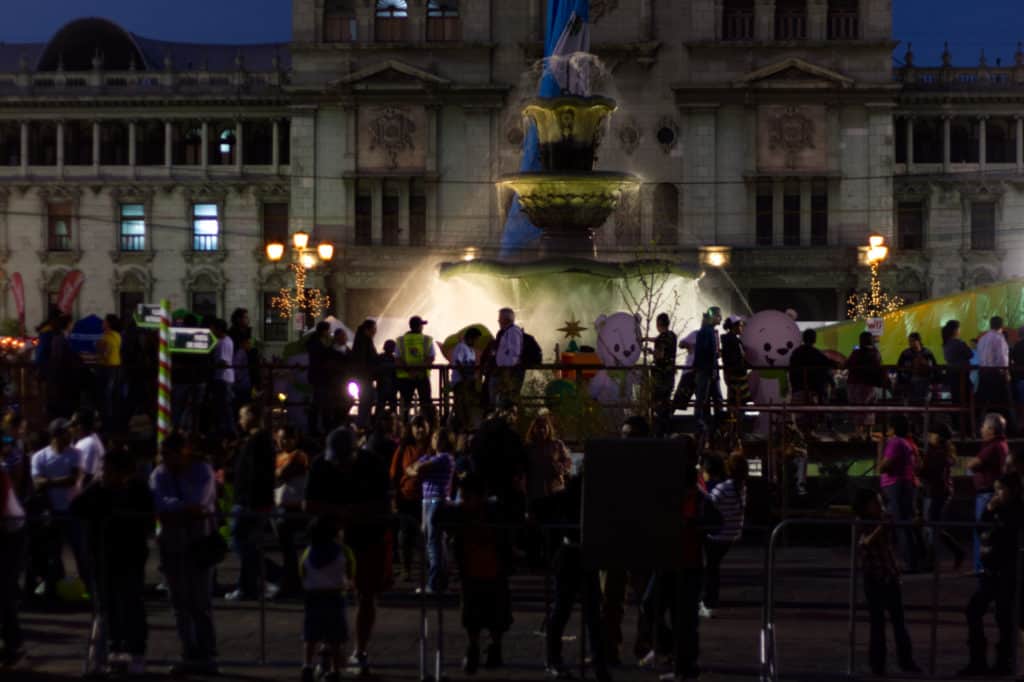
(730, 497)
(435, 471)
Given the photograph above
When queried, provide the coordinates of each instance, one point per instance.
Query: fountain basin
(568, 206)
(569, 129)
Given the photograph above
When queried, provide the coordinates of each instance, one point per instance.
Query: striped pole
(163, 384)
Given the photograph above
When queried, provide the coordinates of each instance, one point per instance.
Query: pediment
(390, 73)
(795, 73)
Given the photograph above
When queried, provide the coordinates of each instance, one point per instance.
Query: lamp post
(875, 303)
(292, 301)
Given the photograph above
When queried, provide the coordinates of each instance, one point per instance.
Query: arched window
(443, 20)
(149, 143)
(114, 143)
(738, 20)
(258, 143)
(927, 140)
(42, 143)
(390, 21)
(10, 144)
(78, 143)
(225, 142)
(188, 145)
(340, 23)
(1000, 141)
(666, 214)
(842, 20)
(963, 141)
(791, 19)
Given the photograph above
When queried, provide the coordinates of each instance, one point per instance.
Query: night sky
(995, 25)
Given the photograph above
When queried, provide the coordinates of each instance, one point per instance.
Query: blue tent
(86, 332)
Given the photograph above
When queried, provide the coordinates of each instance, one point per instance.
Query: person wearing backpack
(510, 359)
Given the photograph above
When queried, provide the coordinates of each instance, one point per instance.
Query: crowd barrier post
(263, 595)
(852, 592)
(163, 401)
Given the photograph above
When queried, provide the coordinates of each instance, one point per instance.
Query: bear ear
(599, 322)
(791, 313)
(639, 321)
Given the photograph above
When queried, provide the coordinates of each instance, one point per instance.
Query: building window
(819, 215)
(149, 143)
(284, 141)
(42, 143)
(78, 143)
(963, 141)
(364, 214)
(133, 227)
(443, 20)
(275, 327)
(1000, 141)
(59, 227)
(389, 216)
(258, 143)
(738, 20)
(910, 224)
(983, 226)
(842, 20)
(666, 214)
(339, 22)
(791, 217)
(390, 21)
(275, 222)
(765, 209)
(10, 144)
(114, 143)
(128, 302)
(927, 140)
(417, 214)
(224, 152)
(791, 19)
(204, 305)
(205, 227)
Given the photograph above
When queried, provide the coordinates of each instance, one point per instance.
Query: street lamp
(874, 303)
(299, 299)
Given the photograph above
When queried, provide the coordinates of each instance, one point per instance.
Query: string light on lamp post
(298, 299)
(873, 303)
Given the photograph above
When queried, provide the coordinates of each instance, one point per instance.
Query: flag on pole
(566, 36)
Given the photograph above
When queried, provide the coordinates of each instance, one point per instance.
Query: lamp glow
(876, 240)
(325, 250)
(300, 240)
(716, 259)
(275, 251)
(308, 261)
(353, 390)
(281, 397)
(469, 254)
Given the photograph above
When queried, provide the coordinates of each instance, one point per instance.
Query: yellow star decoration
(572, 328)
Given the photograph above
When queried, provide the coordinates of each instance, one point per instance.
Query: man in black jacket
(254, 497)
(810, 375)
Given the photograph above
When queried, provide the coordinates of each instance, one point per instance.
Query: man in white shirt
(88, 444)
(507, 380)
(464, 388)
(688, 381)
(221, 396)
(993, 353)
(56, 471)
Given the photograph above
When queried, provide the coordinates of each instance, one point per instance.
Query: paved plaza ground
(812, 626)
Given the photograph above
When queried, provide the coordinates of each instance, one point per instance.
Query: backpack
(531, 353)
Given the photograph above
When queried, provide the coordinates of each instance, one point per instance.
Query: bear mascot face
(618, 339)
(769, 338)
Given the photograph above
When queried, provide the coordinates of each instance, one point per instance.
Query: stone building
(777, 132)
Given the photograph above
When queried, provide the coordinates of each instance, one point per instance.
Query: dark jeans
(189, 588)
(886, 595)
(123, 605)
(410, 515)
(420, 387)
(245, 541)
(899, 501)
(684, 390)
(678, 593)
(998, 588)
(48, 560)
(437, 556)
(715, 552)
(286, 530)
(708, 390)
(12, 547)
(613, 607)
(572, 583)
(933, 509)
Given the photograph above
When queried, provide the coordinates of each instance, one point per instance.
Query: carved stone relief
(599, 8)
(630, 136)
(392, 138)
(791, 138)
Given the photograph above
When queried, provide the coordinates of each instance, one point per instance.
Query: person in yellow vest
(415, 356)
(108, 369)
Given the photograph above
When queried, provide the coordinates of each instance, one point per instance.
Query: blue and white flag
(567, 34)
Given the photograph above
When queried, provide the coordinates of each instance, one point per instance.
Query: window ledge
(71, 257)
(395, 45)
(143, 257)
(204, 257)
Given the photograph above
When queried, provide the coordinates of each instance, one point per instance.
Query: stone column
(96, 130)
(23, 155)
(377, 212)
(910, 142)
(778, 215)
(433, 113)
(60, 147)
(805, 212)
(404, 190)
(239, 161)
(716, 30)
(132, 144)
(168, 144)
(947, 146)
(350, 159)
(982, 142)
(764, 20)
(817, 19)
(275, 149)
(204, 152)
(1019, 121)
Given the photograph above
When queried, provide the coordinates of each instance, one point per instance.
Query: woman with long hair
(548, 462)
(408, 495)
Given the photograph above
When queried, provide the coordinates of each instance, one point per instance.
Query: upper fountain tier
(568, 199)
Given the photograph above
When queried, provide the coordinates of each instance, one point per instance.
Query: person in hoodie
(119, 515)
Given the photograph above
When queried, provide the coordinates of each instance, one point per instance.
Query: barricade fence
(434, 607)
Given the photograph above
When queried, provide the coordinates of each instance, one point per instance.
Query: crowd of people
(353, 500)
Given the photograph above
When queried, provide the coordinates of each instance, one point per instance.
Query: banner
(69, 288)
(18, 292)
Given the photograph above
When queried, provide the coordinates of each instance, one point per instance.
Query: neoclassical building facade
(778, 130)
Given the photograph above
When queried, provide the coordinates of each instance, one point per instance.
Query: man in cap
(507, 380)
(415, 356)
(55, 471)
